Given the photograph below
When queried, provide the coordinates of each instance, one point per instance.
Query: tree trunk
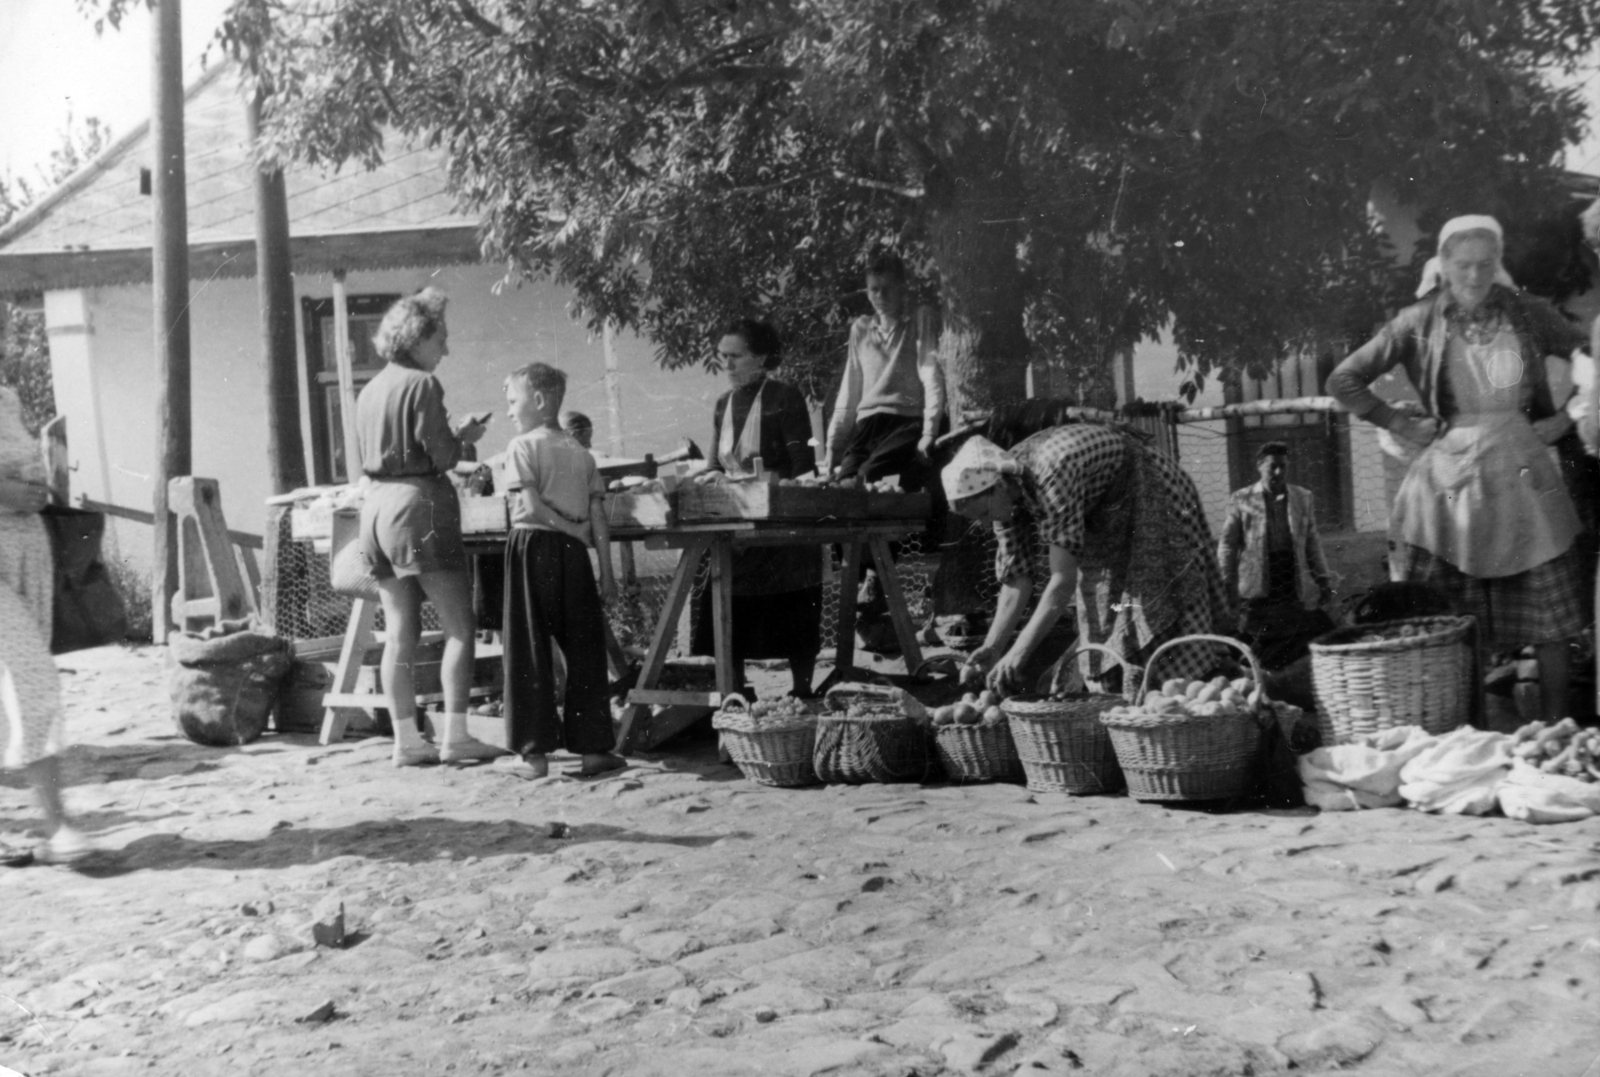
(975, 204)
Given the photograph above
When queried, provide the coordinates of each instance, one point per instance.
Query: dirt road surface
(675, 920)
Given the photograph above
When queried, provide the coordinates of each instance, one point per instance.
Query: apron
(762, 570)
(1487, 468)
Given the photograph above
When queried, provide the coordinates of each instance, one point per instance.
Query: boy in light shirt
(557, 512)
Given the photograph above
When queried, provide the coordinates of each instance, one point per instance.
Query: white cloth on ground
(1529, 794)
(1364, 773)
(1457, 774)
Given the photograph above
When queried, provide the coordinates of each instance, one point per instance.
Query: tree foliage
(24, 347)
(1072, 175)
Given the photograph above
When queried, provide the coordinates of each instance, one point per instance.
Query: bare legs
(402, 597)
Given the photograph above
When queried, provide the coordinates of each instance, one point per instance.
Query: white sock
(455, 729)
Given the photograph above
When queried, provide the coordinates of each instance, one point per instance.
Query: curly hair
(412, 319)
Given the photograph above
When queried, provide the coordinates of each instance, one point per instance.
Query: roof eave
(32, 273)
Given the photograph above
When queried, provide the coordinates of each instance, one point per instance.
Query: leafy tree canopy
(1070, 175)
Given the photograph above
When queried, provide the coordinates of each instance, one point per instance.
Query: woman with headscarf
(1483, 512)
(30, 689)
(411, 523)
(1113, 527)
(777, 590)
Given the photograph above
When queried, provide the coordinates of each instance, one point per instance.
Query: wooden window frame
(364, 311)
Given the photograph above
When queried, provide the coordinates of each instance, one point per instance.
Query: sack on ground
(1529, 794)
(1458, 773)
(1364, 773)
(225, 681)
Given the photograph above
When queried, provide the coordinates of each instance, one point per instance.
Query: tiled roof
(96, 227)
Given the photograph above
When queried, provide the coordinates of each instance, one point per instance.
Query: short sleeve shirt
(401, 425)
(556, 468)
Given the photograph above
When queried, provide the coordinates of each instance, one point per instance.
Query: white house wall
(106, 377)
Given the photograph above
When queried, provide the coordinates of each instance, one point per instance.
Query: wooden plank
(667, 697)
(899, 506)
(728, 677)
(768, 501)
(122, 512)
(889, 580)
(53, 444)
(634, 718)
(849, 580)
(357, 639)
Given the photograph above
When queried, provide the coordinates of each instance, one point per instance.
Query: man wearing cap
(1110, 525)
(1272, 560)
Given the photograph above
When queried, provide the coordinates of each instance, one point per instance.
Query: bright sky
(52, 66)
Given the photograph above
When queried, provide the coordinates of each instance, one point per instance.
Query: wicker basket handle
(1150, 668)
(1130, 672)
(734, 703)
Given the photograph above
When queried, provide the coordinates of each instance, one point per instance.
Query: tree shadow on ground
(406, 841)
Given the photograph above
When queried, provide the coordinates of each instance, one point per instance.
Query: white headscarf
(977, 466)
(1433, 272)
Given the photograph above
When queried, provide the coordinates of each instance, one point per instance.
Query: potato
(944, 716)
(1242, 685)
(994, 714)
(966, 714)
(1209, 693)
(1193, 689)
(1174, 687)
(987, 699)
(1231, 697)
(970, 697)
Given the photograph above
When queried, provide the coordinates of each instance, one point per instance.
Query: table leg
(655, 658)
(358, 636)
(844, 657)
(728, 677)
(904, 630)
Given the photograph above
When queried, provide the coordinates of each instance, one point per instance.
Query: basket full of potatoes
(973, 740)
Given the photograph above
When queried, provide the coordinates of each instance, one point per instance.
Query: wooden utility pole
(347, 381)
(170, 299)
(286, 455)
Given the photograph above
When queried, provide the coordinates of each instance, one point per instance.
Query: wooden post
(286, 456)
(613, 390)
(53, 445)
(169, 299)
(347, 379)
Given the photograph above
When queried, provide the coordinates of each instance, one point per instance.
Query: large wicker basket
(1182, 756)
(768, 751)
(978, 753)
(1423, 679)
(1061, 743)
(879, 747)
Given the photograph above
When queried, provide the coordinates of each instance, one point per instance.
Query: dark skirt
(1541, 605)
(783, 625)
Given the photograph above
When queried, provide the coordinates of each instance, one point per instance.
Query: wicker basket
(1182, 756)
(978, 753)
(1424, 679)
(880, 747)
(774, 751)
(1061, 743)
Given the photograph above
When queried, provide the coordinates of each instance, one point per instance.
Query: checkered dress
(1147, 562)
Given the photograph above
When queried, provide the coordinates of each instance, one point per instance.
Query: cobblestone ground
(675, 920)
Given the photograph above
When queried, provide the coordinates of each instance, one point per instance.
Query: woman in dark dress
(777, 590)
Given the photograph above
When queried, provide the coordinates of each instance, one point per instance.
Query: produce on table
(1562, 748)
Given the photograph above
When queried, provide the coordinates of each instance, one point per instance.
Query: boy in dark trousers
(557, 512)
